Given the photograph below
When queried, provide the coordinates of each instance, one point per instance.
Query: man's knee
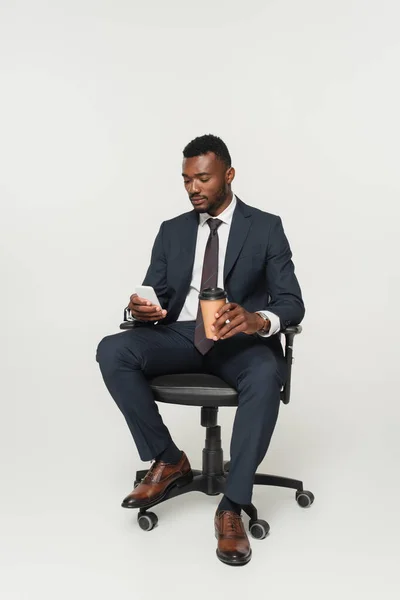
(111, 350)
(106, 350)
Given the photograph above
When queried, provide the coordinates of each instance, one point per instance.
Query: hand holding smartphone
(145, 306)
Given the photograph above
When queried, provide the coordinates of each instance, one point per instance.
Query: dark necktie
(209, 278)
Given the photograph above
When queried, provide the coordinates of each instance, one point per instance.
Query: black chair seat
(193, 389)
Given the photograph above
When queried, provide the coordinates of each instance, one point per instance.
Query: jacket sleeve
(283, 288)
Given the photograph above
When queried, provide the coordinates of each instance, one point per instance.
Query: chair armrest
(292, 329)
(128, 324)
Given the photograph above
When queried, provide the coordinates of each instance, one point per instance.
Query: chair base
(213, 485)
(211, 480)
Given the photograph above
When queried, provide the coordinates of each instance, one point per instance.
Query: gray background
(97, 100)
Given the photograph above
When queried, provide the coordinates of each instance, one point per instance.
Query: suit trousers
(245, 362)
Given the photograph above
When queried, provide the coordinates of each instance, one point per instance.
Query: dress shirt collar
(226, 216)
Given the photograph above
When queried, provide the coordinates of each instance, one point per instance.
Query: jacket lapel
(187, 239)
(239, 230)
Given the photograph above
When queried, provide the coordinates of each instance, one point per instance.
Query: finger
(147, 310)
(155, 316)
(135, 299)
(135, 305)
(224, 308)
(138, 300)
(227, 315)
(219, 334)
(239, 329)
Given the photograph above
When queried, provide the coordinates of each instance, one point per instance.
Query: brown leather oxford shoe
(157, 482)
(233, 544)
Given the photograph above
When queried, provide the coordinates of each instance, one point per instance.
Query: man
(226, 243)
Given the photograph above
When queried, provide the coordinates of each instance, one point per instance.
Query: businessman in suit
(226, 243)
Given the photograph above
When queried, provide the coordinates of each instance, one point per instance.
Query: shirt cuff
(275, 323)
(128, 317)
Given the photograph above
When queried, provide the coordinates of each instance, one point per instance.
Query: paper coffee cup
(211, 300)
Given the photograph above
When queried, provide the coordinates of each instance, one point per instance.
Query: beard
(212, 205)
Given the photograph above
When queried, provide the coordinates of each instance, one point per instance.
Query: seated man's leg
(128, 358)
(257, 373)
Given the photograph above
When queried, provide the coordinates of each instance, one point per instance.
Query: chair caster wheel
(147, 521)
(259, 529)
(304, 498)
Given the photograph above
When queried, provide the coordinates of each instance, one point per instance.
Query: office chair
(210, 392)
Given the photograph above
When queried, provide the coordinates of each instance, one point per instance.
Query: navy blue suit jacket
(258, 271)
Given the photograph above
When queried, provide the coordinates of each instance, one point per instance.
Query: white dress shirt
(189, 310)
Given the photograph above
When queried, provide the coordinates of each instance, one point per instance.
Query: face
(208, 182)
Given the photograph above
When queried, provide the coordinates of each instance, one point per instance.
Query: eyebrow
(196, 174)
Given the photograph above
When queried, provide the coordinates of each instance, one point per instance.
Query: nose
(194, 189)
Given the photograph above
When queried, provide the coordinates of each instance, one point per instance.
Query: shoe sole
(181, 482)
(235, 563)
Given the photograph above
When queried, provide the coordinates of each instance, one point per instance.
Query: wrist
(264, 324)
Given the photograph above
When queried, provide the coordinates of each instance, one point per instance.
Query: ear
(230, 175)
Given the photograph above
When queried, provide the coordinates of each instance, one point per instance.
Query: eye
(204, 180)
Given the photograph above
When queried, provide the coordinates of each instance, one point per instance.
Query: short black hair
(208, 143)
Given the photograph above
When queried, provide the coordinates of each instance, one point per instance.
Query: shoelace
(234, 523)
(152, 472)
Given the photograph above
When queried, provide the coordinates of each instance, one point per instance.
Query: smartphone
(148, 293)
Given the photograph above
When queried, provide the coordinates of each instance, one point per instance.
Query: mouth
(197, 201)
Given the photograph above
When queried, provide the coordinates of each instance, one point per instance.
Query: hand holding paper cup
(211, 300)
